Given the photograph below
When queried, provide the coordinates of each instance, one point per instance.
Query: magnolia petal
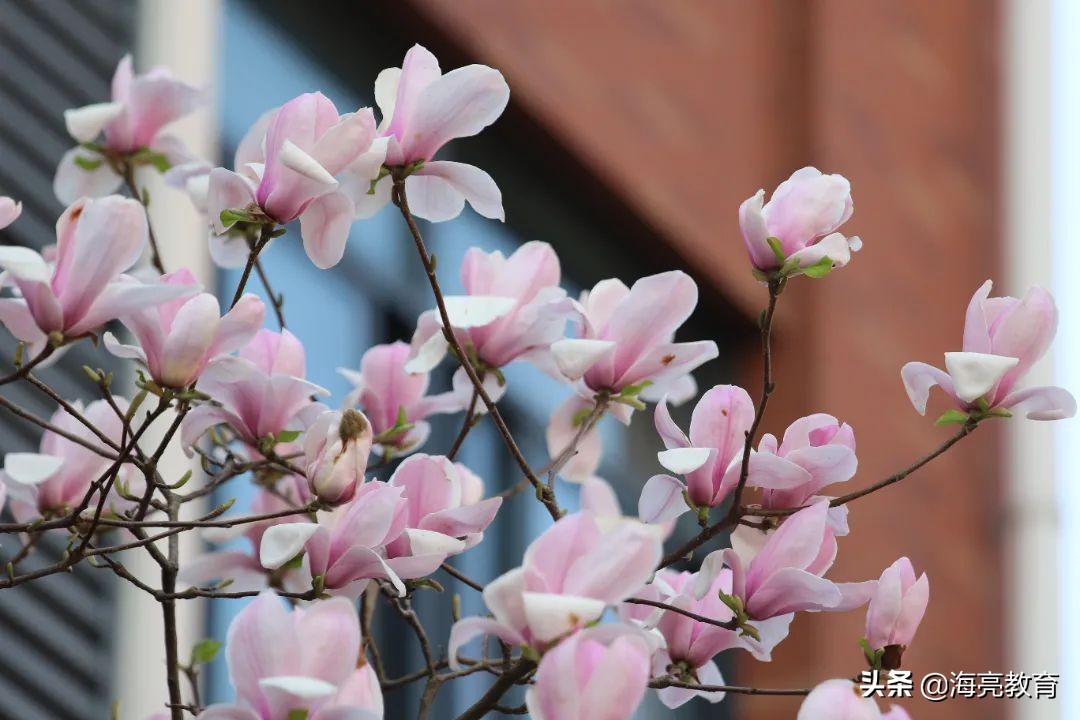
(120, 350)
(669, 431)
(292, 157)
(976, 374)
(86, 123)
(281, 543)
(72, 182)
(468, 311)
(662, 499)
(227, 191)
(31, 468)
(1042, 403)
(299, 686)
(682, 461)
(324, 227)
(919, 377)
(575, 356)
(551, 615)
(470, 183)
(24, 264)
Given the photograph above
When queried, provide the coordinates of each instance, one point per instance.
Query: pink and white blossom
(1003, 338)
(84, 288)
(177, 339)
(897, 606)
(259, 395)
(596, 674)
(388, 393)
(444, 514)
(626, 337)
(785, 574)
(345, 548)
(422, 110)
(570, 574)
(130, 122)
(512, 308)
(306, 145)
(710, 457)
(823, 447)
(306, 661)
(336, 449)
(801, 220)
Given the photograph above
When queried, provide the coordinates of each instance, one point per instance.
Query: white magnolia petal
(575, 356)
(550, 615)
(975, 374)
(281, 543)
(467, 311)
(300, 686)
(24, 264)
(683, 460)
(31, 468)
(296, 159)
(429, 355)
(86, 123)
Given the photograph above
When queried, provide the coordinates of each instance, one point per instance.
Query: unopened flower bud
(336, 454)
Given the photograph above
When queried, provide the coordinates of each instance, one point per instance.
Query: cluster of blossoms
(346, 506)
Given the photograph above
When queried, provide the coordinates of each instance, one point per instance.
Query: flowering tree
(350, 518)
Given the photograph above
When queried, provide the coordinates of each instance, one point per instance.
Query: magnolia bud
(336, 454)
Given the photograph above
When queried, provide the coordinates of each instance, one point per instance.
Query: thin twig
(732, 624)
(734, 689)
(466, 425)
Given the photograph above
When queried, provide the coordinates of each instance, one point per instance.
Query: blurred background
(635, 129)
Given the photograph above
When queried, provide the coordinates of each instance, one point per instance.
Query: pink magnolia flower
(96, 241)
(55, 481)
(897, 606)
(9, 211)
(796, 230)
(569, 575)
(596, 674)
(823, 447)
(259, 395)
(444, 514)
(177, 339)
(1003, 338)
(345, 548)
(306, 145)
(711, 457)
(785, 574)
(307, 662)
(336, 450)
(132, 121)
(513, 308)
(842, 700)
(689, 645)
(388, 393)
(423, 110)
(626, 338)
